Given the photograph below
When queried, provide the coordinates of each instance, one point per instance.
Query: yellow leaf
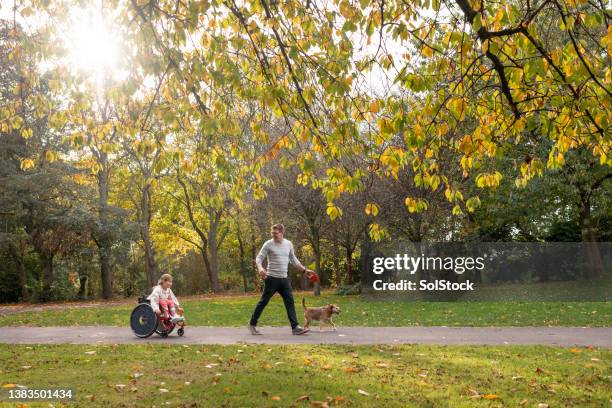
(371, 209)
(491, 396)
(9, 385)
(27, 164)
(275, 398)
(427, 51)
(374, 106)
(49, 156)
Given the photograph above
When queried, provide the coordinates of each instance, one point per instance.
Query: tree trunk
(46, 260)
(82, 287)
(213, 250)
(316, 247)
(18, 255)
(204, 252)
(349, 262)
(366, 252)
(104, 241)
(595, 266)
(243, 268)
(145, 232)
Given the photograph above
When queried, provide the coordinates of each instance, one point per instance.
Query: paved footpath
(552, 336)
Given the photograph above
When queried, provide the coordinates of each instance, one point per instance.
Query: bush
(345, 290)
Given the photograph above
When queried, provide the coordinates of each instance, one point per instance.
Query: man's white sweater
(279, 255)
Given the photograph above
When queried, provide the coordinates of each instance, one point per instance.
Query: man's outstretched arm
(296, 262)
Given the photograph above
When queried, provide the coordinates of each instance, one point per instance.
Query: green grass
(356, 311)
(251, 375)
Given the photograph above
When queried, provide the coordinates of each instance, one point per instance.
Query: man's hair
(279, 227)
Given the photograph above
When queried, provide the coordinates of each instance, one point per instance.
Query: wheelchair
(144, 321)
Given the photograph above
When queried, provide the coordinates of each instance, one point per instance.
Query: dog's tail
(304, 303)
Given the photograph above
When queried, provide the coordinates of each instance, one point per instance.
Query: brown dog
(322, 314)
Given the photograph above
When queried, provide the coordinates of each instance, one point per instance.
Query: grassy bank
(356, 311)
(241, 375)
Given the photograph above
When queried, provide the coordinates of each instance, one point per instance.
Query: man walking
(279, 253)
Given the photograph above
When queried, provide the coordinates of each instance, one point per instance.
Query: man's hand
(263, 273)
(308, 272)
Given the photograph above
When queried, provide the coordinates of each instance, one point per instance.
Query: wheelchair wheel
(180, 331)
(164, 329)
(143, 320)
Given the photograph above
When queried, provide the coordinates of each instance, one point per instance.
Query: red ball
(314, 278)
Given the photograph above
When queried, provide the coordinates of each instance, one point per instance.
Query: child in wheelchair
(163, 301)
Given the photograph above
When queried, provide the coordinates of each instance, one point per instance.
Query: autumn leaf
(275, 398)
(362, 392)
(491, 396)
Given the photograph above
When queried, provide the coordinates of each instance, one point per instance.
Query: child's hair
(165, 277)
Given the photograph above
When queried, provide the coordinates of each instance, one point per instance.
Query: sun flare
(93, 44)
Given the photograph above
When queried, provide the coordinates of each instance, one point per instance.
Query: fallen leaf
(382, 365)
(302, 398)
(352, 369)
(9, 385)
(491, 396)
(322, 404)
(362, 392)
(91, 353)
(575, 350)
(275, 398)
(539, 370)
(162, 390)
(26, 367)
(327, 367)
(523, 402)
(542, 405)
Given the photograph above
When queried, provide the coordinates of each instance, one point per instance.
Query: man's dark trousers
(271, 286)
